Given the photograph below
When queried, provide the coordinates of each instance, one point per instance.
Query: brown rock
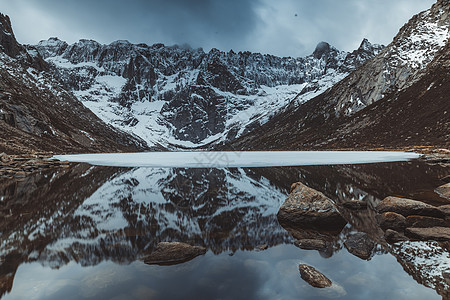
(314, 277)
(310, 209)
(444, 191)
(262, 247)
(391, 220)
(4, 158)
(311, 244)
(407, 207)
(172, 253)
(392, 236)
(445, 209)
(431, 233)
(423, 221)
(355, 204)
(360, 245)
(20, 174)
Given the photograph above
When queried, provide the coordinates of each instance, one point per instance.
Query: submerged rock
(314, 277)
(360, 245)
(172, 253)
(407, 207)
(309, 208)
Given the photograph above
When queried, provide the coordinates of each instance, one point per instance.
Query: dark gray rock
(360, 245)
(314, 277)
(446, 179)
(172, 253)
(407, 207)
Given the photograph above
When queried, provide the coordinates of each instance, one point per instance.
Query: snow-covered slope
(400, 64)
(180, 97)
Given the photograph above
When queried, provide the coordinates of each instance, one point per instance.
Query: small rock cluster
(316, 223)
(19, 166)
(406, 219)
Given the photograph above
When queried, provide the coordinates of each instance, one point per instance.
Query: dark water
(83, 233)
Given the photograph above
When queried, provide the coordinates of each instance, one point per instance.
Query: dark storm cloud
(207, 23)
(282, 27)
(200, 22)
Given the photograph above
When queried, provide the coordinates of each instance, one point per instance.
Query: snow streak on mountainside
(184, 98)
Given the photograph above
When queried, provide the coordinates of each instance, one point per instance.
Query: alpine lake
(89, 231)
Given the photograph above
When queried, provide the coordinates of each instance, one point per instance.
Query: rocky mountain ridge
(397, 99)
(180, 97)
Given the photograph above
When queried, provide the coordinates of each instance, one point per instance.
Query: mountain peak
(8, 42)
(365, 44)
(321, 49)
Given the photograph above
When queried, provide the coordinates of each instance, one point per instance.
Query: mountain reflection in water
(89, 215)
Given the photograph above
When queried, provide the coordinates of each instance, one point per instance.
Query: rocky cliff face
(399, 65)
(182, 97)
(8, 41)
(397, 99)
(38, 114)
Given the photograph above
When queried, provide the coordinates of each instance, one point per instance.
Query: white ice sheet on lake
(237, 159)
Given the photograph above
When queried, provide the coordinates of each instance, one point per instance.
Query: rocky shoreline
(20, 166)
(317, 222)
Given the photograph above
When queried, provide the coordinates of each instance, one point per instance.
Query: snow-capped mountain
(400, 64)
(398, 98)
(180, 97)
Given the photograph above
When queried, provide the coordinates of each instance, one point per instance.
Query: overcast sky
(279, 27)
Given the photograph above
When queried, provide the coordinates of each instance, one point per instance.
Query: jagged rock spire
(8, 43)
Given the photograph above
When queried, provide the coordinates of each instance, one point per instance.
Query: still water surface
(83, 233)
